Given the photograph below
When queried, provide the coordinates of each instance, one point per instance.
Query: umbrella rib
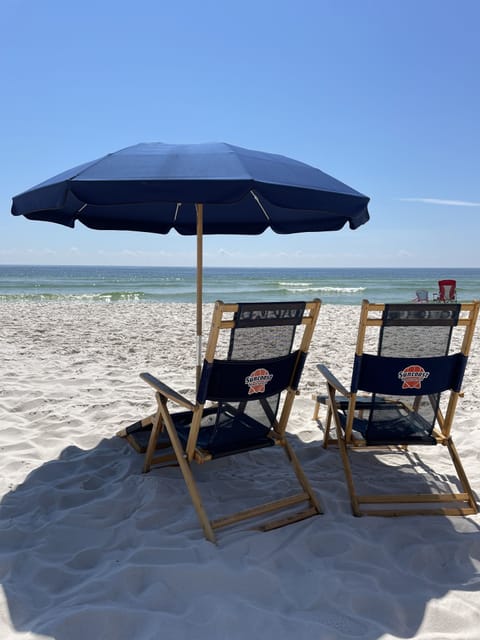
(262, 209)
(177, 208)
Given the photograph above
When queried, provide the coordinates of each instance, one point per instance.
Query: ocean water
(172, 284)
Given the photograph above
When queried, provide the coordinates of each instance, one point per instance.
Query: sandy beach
(92, 548)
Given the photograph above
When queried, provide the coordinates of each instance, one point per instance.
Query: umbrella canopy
(213, 188)
(154, 187)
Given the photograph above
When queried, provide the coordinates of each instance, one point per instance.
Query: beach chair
(403, 395)
(253, 362)
(421, 295)
(447, 291)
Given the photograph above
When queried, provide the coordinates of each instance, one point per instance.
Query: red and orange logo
(257, 381)
(413, 376)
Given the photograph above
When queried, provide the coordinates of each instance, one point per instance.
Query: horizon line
(144, 266)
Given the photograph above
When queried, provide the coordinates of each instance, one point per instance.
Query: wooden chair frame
(184, 456)
(340, 398)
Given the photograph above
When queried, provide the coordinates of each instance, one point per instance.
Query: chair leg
(152, 442)
(467, 495)
(316, 411)
(187, 474)
(348, 475)
(302, 478)
(328, 424)
(342, 445)
(462, 475)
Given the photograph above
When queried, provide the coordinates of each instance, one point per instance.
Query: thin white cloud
(451, 203)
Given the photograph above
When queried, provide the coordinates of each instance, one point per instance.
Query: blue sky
(383, 95)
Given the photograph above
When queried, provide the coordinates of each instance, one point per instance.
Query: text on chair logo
(257, 380)
(413, 376)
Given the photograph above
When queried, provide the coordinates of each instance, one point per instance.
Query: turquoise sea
(178, 284)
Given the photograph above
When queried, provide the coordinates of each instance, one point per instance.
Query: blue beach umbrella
(196, 189)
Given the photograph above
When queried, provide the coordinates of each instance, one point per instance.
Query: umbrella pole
(199, 209)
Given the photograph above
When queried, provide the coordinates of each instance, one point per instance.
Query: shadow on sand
(91, 548)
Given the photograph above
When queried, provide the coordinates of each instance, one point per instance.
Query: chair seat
(403, 430)
(238, 433)
(138, 435)
(342, 402)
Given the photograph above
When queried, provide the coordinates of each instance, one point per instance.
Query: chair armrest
(332, 380)
(166, 391)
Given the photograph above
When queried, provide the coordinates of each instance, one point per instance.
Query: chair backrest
(447, 290)
(247, 373)
(422, 295)
(414, 364)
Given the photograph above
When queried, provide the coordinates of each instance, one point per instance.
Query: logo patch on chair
(413, 376)
(257, 381)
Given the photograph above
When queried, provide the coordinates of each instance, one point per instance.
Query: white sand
(92, 549)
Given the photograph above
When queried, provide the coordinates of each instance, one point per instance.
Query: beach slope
(92, 548)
